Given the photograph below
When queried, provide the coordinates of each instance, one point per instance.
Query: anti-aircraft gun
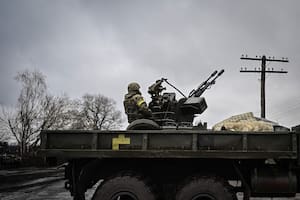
(167, 111)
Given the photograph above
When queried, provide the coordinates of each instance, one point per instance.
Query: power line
(285, 107)
(290, 109)
(263, 72)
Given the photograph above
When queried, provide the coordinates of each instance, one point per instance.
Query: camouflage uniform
(134, 104)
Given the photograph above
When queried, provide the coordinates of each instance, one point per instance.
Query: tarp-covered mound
(245, 122)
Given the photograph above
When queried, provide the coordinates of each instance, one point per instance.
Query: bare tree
(97, 112)
(4, 132)
(75, 114)
(35, 110)
(52, 115)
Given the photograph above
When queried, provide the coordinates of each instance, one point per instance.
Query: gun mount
(167, 111)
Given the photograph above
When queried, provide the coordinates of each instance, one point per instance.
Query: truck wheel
(123, 188)
(143, 124)
(204, 188)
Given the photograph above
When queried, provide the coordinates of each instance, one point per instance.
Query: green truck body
(264, 163)
(170, 144)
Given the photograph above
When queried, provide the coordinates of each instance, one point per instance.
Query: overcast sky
(101, 46)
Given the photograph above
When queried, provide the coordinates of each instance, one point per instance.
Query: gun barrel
(214, 73)
(221, 72)
(205, 85)
(205, 82)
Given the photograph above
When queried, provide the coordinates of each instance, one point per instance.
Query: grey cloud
(100, 46)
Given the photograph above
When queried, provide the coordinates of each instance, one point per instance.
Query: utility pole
(263, 72)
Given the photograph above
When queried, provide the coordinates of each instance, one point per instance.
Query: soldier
(134, 104)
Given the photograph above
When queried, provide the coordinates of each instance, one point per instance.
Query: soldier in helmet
(134, 104)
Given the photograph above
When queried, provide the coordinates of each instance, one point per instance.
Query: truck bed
(169, 144)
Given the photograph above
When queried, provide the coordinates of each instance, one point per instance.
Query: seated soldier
(134, 104)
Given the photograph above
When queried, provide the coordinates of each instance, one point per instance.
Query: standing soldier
(134, 104)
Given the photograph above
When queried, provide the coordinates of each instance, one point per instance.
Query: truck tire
(124, 188)
(206, 188)
(143, 124)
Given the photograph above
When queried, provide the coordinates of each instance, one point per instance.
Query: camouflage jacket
(136, 107)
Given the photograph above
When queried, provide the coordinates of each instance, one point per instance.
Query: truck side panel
(171, 143)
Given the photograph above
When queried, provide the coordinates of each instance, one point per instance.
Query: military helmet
(133, 87)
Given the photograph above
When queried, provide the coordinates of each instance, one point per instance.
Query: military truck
(167, 157)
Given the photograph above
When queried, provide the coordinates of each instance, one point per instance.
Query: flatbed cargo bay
(175, 163)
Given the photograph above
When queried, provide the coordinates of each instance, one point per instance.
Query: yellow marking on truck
(121, 139)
